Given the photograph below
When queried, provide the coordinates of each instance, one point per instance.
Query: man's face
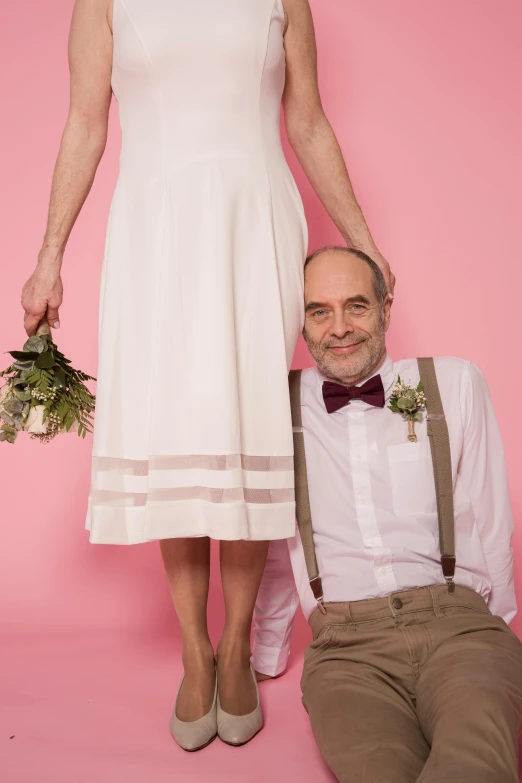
(345, 325)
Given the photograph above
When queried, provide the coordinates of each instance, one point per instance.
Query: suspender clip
(451, 585)
(317, 590)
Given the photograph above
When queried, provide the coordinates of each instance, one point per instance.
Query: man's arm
(482, 469)
(313, 140)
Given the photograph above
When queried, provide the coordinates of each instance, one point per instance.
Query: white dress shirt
(373, 502)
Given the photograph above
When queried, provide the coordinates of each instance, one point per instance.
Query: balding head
(379, 283)
(347, 313)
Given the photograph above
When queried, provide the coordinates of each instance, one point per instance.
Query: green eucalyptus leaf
(18, 423)
(418, 416)
(6, 417)
(8, 428)
(24, 356)
(3, 436)
(36, 344)
(24, 365)
(45, 360)
(13, 405)
(25, 396)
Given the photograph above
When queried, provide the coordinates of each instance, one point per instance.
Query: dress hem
(192, 519)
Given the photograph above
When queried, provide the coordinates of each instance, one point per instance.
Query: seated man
(413, 673)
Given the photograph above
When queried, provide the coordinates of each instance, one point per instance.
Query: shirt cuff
(270, 660)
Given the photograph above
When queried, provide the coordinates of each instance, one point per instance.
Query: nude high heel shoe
(240, 729)
(196, 734)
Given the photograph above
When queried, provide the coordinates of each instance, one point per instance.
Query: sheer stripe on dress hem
(194, 461)
(101, 497)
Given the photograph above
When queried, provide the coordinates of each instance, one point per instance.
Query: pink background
(425, 99)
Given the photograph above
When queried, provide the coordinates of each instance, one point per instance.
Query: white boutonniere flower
(409, 402)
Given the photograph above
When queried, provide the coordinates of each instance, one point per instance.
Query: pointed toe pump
(240, 729)
(196, 734)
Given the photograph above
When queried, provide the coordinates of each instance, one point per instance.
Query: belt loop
(349, 617)
(393, 613)
(435, 602)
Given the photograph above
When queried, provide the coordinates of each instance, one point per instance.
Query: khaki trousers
(418, 686)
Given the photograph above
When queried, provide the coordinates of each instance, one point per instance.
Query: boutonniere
(410, 403)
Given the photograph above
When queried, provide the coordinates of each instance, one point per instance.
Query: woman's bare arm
(82, 146)
(313, 139)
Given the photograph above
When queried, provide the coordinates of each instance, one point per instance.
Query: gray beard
(348, 373)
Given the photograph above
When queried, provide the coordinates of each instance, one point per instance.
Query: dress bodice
(197, 78)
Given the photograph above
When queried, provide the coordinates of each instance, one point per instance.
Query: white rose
(34, 421)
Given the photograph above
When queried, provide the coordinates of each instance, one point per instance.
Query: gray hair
(379, 284)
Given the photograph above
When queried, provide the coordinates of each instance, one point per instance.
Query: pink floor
(94, 708)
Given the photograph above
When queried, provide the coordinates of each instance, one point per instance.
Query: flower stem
(43, 328)
(411, 431)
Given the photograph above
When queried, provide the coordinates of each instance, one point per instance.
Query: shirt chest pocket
(411, 478)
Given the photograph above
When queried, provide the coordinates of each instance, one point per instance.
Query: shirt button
(397, 603)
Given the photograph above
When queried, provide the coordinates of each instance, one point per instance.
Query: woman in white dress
(201, 299)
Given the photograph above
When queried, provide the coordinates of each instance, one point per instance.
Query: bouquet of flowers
(42, 393)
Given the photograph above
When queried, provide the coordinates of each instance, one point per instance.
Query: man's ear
(386, 312)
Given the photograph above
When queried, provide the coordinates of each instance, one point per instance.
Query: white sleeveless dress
(202, 282)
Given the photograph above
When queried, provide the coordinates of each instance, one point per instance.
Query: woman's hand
(42, 296)
(389, 277)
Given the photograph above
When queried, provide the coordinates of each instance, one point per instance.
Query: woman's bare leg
(242, 564)
(187, 563)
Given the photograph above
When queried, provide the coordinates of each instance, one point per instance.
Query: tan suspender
(441, 457)
(302, 499)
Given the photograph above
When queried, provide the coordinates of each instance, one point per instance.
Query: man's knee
(477, 716)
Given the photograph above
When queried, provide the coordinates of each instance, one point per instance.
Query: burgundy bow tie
(336, 396)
